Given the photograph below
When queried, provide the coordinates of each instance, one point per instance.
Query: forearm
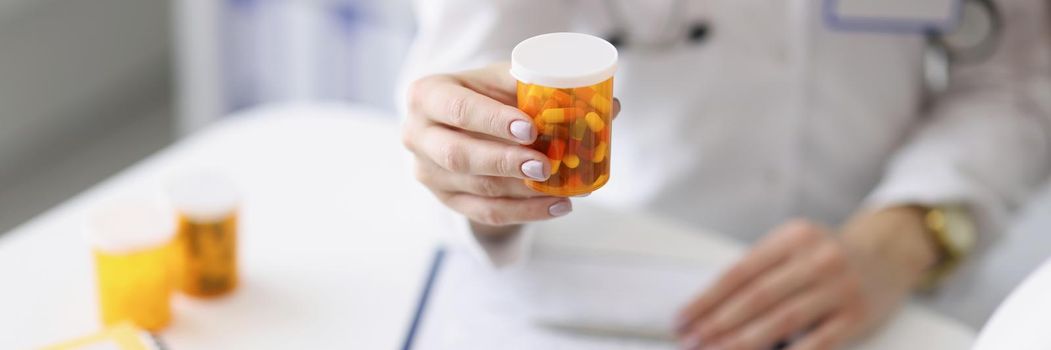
(494, 234)
(985, 143)
(896, 239)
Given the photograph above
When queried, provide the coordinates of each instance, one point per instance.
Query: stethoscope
(971, 38)
(676, 26)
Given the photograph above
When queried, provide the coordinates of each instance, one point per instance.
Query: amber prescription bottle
(206, 258)
(565, 83)
(131, 241)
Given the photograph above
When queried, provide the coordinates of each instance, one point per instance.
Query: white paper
(473, 307)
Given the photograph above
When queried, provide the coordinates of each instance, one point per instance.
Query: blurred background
(88, 87)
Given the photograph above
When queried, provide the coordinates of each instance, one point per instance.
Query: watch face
(960, 233)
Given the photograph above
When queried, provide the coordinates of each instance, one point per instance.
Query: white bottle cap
(203, 196)
(563, 60)
(128, 225)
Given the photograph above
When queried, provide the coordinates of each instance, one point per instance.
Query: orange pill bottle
(206, 245)
(565, 83)
(132, 245)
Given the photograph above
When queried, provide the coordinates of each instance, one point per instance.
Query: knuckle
(488, 186)
(417, 93)
(506, 164)
(803, 230)
(830, 258)
(408, 138)
(458, 109)
(736, 274)
(494, 121)
(730, 277)
(446, 199)
(453, 158)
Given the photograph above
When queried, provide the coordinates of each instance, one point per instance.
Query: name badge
(892, 16)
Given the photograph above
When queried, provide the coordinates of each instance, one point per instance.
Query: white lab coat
(776, 116)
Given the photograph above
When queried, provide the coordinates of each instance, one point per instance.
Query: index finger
(770, 251)
(449, 102)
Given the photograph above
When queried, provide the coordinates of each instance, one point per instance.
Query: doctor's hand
(803, 284)
(470, 146)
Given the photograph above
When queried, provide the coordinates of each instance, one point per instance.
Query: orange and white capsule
(562, 98)
(532, 105)
(601, 103)
(561, 115)
(537, 91)
(583, 93)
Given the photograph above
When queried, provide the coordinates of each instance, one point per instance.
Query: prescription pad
(475, 307)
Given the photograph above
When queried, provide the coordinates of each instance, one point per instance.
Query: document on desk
(558, 300)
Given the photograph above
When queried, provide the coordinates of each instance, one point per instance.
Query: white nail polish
(560, 208)
(534, 169)
(522, 130)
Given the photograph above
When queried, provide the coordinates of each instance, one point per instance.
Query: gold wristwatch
(953, 232)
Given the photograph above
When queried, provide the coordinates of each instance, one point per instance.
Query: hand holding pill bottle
(565, 83)
(482, 144)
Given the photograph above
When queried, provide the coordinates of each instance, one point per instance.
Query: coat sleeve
(456, 35)
(987, 141)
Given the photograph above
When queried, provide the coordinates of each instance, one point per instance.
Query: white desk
(335, 242)
(1021, 322)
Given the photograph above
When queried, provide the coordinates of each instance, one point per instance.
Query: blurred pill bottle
(206, 204)
(565, 83)
(132, 243)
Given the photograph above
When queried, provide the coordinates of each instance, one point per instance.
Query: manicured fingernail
(522, 130)
(560, 208)
(534, 169)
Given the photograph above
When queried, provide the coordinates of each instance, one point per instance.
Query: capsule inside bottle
(574, 133)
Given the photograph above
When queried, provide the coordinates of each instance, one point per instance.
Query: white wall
(70, 68)
(236, 54)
